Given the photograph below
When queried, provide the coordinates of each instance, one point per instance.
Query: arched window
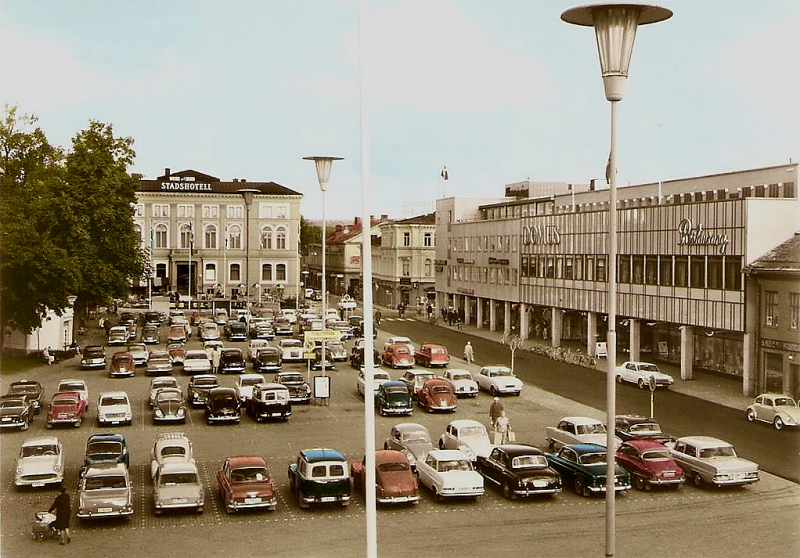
(280, 272)
(266, 272)
(210, 237)
(185, 236)
(235, 274)
(280, 239)
(161, 236)
(427, 268)
(235, 237)
(211, 272)
(266, 238)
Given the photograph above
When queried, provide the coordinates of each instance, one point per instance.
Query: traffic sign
(652, 383)
(324, 335)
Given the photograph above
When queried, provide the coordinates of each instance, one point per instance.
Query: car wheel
(158, 511)
(641, 383)
(78, 423)
(551, 446)
(26, 424)
(493, 391)
(345, 503)
(436, 496)
(199, 509)
(230, 510)
(778, 423)
(751, 415)
(697, 480)
(303, 504)
(508, 492)
(580, 487)
(640, 483)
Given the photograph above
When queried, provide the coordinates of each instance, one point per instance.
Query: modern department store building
(535, 263)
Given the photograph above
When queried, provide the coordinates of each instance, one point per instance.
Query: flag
(445, 174)
(608, 169)
(191, 236)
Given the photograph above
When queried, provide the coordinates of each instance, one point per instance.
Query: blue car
(584, 466)
(106, 448)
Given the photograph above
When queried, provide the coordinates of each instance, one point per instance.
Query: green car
(320, 476)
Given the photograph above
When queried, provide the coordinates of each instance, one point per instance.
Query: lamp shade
(247, 194)
(323, 169)
(615, 29)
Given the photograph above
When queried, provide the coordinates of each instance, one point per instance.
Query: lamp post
(247, 194)
(615, 30)
(323, 175)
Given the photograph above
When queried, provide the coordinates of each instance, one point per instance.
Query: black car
(357, 357)
(169, 405)
(299, 390)
(269, 401)
(268, 360)
(152, 318)
(106, 448)
(30, 389)
(393, 398)
(231, 361)
(316, 360)
(93, 356)
(631, 427)
(15, 412)
(520, 470)
(236, 330)
(198, 389)
(222, 405)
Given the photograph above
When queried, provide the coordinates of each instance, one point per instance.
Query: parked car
(578, 430)
(395, 482)
(431, 354)
(222, 405)
(31, 390)
(636, 427)
(316, 361)
(106, 448)
(78, 386)
(639, 373)
(320, 475)
(244, 385)
(283, 326)
(177, 352)
(40, 462)
(122, 365)
(299, 390)
(198, 389)
(450, 474)
(170, 447)
(344, 328)
(400, 339)
(650, 464)
(209, 346)
(244, 482)
(707, 460)
(410, 438)
(269, 400)
(780, 410)
(159, 383)
(177, 333)
(178, 486)
(221, 316)
(231, 361)
(169, 405)
(152, 317)
(175, 315)
(520, 470)
(159, 363)
(93, 356)
(462, 382)
(236, 330)
(498, 380)
(414, 380)
(584, 467)
(15, 412)
(437, 395)
(254, 346)
(379, 377)
(139, 353)
(357, 357)
(105, 491)
(114, 407)
(209, 331)
(150, 335)
(66, 407)
(196, 362)
(260, 328)
(466, 435)
(335, 351)
(117, 335)
(291, 350)
(393, 398)
(397, 355)
(268, 359)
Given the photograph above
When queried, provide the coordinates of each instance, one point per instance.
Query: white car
(468, 436)
(178, 486)
(290, 314)
(335, 351)
(400, 339)
(380, 377)
(139, 353)
(639, 373)
(291, 350)
(159, 383)
(209, 331)
(114, 407)
(196, 362)
(578, 430)
(450, 474)
(170, 447)
(780, 410)
(105, 491)
(255, 346)
(244, 385)
(72, 384)
(498, 380)
(40, 462)
(462, 382)
(710, 460)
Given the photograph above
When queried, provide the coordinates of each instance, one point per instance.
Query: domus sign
(546, 235)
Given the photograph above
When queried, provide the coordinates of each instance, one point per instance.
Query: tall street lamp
(247, 194)
(615, 29)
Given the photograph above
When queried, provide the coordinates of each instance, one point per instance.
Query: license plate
(252, 500)
(6, 419)
(114, 422)
(103, 510)
(327, 499)
(180, 500)
(539, 483)
(37, 484)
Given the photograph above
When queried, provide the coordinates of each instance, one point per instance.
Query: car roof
(460, 423)
(582, 449)
(40, 440)
(60, 394)
(582, 420)
(104, 469)
(197, 352)
(247, 461)
(703, 441)
(106, 437)
(315, 455)
(120, 354)
(72, 381)
(25, 382)
(203, 377)
(437, 382)
(419, 372)
(270, 385)
(394, 383)
(93, 348)
(515, 450)
(222, 389)
(773, 395)
(495, 367)
(179, 467)
(409, 427)
(249, 377)
(441, 455)
(390, 456)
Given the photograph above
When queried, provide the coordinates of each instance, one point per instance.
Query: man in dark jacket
(63, 512)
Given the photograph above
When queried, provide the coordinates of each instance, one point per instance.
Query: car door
(766, 411)
(628, 457)
(492, 467)
(223, 480)
(450, 437)
(426, 471)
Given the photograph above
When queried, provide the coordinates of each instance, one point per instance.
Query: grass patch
(16, 364)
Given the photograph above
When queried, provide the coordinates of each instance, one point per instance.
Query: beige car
(707, 460)
(779, 410)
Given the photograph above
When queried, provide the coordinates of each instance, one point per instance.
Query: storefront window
(624, 269)
(715, 272)
(638, 269)
(733, 273)
(601, 269)
(773, 372)
(524, 266)
(551, 271)
(665, 271)
(697, 270)
(559, 267)
(681, 271)
(534, 263)
(651, 270)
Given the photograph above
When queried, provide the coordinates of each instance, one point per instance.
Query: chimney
(167, 171)
(242, 180)
(357, 221)
(591, 185)
(384, 217)
(338, 228)
(236, 180)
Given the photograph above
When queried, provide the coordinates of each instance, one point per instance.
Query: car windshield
(65, 401)
(415, 436)
(590, 428)
(174, 479)
(100, 483)
(197, 356)
(41, 449)
(173, 451)
(202, 382)
(393, 466)
(118, 360)
(470, 431)
(164, 383)
(464, 376)
(113, 400)
(293, 343)
(103, 448)
(785, 401)
(249, 474)
(648, 368)
(593, 458)
(252, 381)
(381, 376)
(168, 396)
(92, 352)
(453, 465)
(224, 399)
(528, 461)
(12, 403)
(71, 387)
(656, 455)
(291, 378)
(501, 372)
(645, 428)
(23, 389)
(396, 392)
(721, 451)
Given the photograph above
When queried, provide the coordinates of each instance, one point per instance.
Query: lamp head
(247, 194)
(323, 168)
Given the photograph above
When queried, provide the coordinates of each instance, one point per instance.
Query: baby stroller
(42, 528)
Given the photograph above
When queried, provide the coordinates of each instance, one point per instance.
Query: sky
(498, 91)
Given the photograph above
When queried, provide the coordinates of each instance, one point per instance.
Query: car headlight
(19, 470)
(787, 419)
(159, 413)
(57, 467)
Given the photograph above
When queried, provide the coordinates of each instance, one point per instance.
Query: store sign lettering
(688, 235)
(533, 235)
(186, 186)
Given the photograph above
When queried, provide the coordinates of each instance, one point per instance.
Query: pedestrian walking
(469, 355)
(430, 311)
(215, 354)
(495, 409)
(501, 427)
(378, 317)
(63, 511)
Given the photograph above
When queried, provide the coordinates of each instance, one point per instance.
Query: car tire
(580, 487)
(640, 483)
(641, 384)
(750, 415)
(303, 504)
(49, 425)
(778, 423)
(441, 444)
(493, 391)
(436, 496)
(697, 480)
(508, 492)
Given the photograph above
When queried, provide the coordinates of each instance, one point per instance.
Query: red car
(177, 352)
(395, 482)
(437, 395)
(121, 364)
(397, 355)
(430, 354)
(66, 407)
(650, 464)
(244, 483)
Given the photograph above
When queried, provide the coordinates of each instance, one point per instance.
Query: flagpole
(191, 243)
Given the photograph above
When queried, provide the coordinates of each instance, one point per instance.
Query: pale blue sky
(499, 91)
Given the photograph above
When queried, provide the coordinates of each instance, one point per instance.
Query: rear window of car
(100, 483)
(114, 400)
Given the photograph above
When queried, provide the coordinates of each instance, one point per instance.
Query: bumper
(72, 420)
(326, 499)
(223, 418)
(39, 482)
(397, 410)
(89, 365)
(115, 420)
(274, 414)
(253, 503)
(466, 393)
(735, 481)
(160, 506)
(617, 488)
(86, 514)
(122, 373)
(232, 370)
(410, 499)
(171, 418)
(14, 422)
(462, 493)
(666, 482)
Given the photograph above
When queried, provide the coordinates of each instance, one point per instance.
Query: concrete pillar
(467, 309)
(523, 321)
(591, 333)
(635, 343)
(749, 360)
(687, 352)
(492, 315)
(555, 326)
(479, 317)
(507, 318)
